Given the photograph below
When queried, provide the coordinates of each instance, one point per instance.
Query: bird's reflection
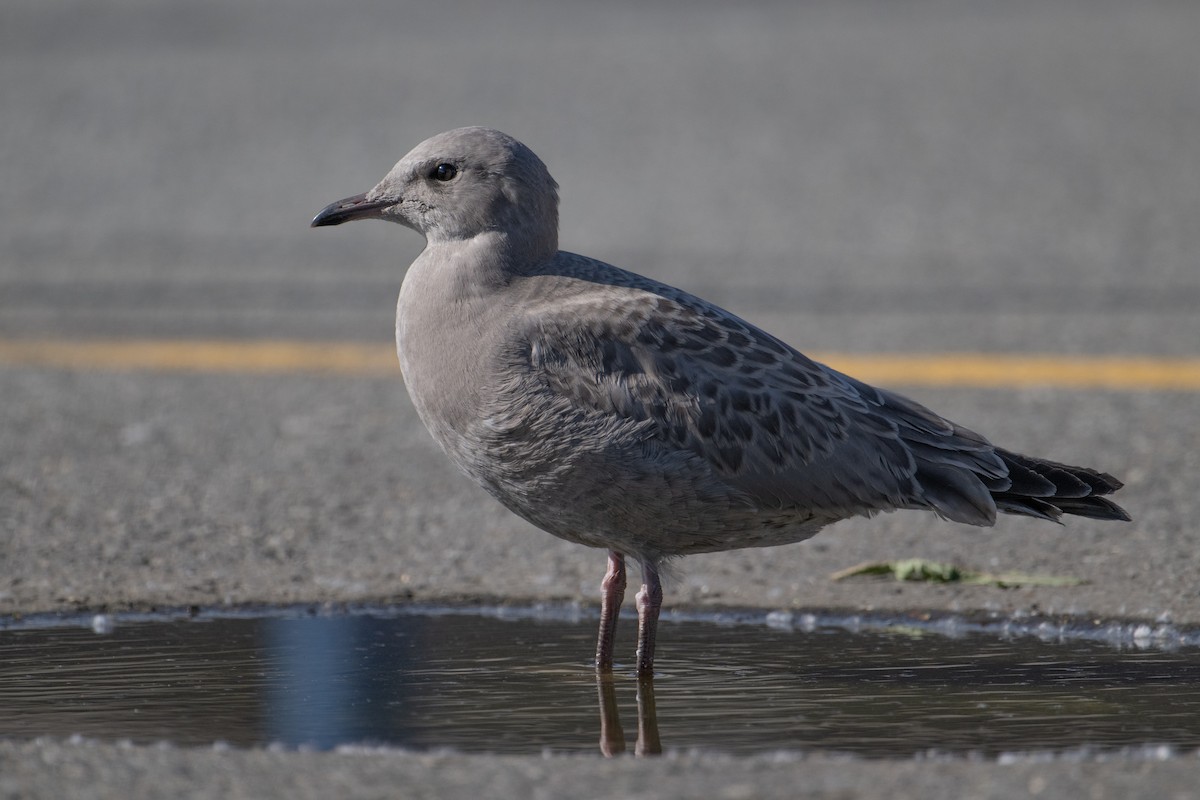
(612, 735)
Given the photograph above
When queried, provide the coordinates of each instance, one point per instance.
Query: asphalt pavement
(866, 178)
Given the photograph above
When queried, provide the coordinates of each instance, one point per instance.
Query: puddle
(523, 685)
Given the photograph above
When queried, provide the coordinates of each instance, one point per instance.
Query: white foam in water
(951, 627)
(1019, 622)
(781, 620)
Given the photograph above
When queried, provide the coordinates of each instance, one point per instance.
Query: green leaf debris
(920, 569)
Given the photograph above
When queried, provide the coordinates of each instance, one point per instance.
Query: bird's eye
(445, 172)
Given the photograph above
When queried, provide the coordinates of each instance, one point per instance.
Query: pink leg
(649, 603)
(612, 594)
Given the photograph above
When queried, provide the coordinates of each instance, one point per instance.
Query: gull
(622, 413)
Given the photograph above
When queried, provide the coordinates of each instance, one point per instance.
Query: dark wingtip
(1095, 508)
(1119, 514)
(1040, 487)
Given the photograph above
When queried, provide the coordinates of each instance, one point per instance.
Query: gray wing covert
(782, 429)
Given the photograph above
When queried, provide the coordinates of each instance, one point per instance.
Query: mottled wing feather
(790, 433)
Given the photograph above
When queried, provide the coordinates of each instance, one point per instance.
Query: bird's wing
(788, 432)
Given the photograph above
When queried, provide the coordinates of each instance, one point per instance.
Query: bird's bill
(351, 208)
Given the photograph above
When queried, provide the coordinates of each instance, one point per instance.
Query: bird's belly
(619, 493)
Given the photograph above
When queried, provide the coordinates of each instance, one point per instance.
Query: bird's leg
(649, 602)
(612, 594)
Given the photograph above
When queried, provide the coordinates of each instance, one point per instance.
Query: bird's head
(458, 185)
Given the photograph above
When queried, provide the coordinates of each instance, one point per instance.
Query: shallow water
(490, 684)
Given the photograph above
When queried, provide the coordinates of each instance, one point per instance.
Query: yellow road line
(997, 371)
(353, 358)
(202, 355)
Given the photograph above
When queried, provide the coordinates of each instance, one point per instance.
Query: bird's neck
(491, 258)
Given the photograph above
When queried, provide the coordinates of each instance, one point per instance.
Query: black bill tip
(349, 209)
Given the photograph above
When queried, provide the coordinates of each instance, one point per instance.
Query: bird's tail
(1047, 490)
